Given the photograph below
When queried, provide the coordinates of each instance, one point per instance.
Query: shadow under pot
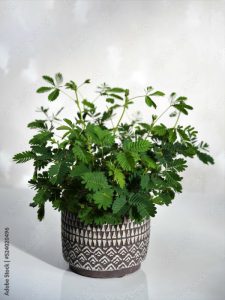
(104, 251)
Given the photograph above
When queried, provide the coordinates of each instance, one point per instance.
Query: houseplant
(105, 176)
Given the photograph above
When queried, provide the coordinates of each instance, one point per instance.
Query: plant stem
(137, 97)
(178, 117)
(77, 103)
(65, 94)
(161, 115)
(80, 110)
(121, 117)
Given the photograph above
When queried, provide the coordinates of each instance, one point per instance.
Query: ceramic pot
(104, 250)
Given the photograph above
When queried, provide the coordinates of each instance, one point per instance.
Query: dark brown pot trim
(105, 274)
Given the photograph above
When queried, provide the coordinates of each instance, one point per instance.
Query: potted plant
(107, 176)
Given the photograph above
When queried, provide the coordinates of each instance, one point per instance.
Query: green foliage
(118, 204)
(95, 181)
(37, 124)
(126, 161)
(101, 168)
(44, 89)
(103, 198)
(53, 95)
(57, 172)
(138, 146)
(23, 157)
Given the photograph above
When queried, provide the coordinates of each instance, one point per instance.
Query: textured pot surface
(104, 250)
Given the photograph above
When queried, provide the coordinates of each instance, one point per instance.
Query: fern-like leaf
(205, 158)
(137, 146)
(119, 177)
(23, 157)
(103, 198)
(80, 154)
(41, 197)
(126, 161)
(41, 138)
(143, 204)
(37, 124)
(95, 181)
(118, 204)
(57, 172)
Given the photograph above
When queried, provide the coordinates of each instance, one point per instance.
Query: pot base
(105, 274)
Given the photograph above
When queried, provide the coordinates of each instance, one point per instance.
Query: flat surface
(185, 259)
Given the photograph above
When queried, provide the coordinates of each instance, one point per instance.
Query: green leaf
(53, 95)
(44, 89)
(116, 90)
(63, 127)
(58, 78)
(172, 180)
(126, 161)
(188, 106)
(149, 161)
(95, 181)
(145, 181)
(37, 124)
(71, 85)
(181, 98)
(138, 146)
(146, 126)
(119, 177)
(99, 136)
(48, 79)
(118, 204)
(158, 93)
(164, 197)
(103, 198)
(143, 204)
(205, 158)
(69, 122)
(146, 209)
(150, 102)
(88, 104)
(57, 172)
(110, 100)
(179, 164)
(80, 154)
(41, 197)
(159, 130)
(41, 212)
(41, 138)
(79, 170)
(116, 96)
(172, 135)
(182, 134)
(87, 81)
(85, 215)
(23, 157)
(181, 108)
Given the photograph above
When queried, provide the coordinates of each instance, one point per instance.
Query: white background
(171, 45)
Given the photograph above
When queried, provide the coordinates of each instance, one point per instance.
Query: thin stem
(110, 118)
(78, 105)
(137, 97)
(96, 98)
(121, 117)
(65, 94)
(161, 115)
(178, 117)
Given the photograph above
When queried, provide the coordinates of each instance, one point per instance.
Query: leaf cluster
(104, 171)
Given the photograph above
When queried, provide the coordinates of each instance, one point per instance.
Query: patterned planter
(106, 250)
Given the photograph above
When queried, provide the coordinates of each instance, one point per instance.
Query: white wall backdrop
(173, 45)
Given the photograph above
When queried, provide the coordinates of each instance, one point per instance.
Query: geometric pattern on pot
(104, 247)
